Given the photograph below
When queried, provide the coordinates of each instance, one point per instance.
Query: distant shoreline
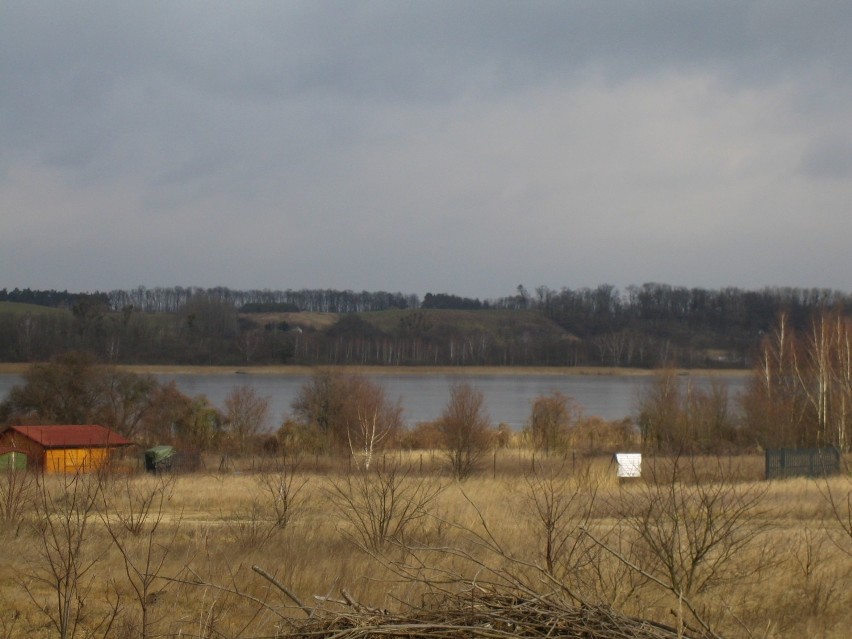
(560, 371)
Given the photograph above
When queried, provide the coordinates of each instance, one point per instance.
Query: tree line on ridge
(642, 326)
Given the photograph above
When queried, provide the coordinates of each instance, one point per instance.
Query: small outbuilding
(629, 465)
(168, 459)
(159, 458)
(59, 448)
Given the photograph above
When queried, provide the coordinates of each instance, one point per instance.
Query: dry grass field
(702, 547)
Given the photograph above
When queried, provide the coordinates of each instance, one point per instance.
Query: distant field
(312, 321)
(486, 320)
(389, 320)
(17, 308)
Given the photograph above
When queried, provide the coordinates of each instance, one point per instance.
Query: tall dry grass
(792, 576)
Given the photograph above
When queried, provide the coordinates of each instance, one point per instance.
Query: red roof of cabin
(82, 436)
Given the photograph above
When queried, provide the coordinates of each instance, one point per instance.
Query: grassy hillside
(17, 308)
(213, 334)
(425, 322)
(496, 322)
(304, 320)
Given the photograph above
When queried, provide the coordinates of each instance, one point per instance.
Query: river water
(423, 395)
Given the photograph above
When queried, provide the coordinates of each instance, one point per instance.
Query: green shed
(159, 458)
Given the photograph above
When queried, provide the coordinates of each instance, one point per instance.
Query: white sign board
(629, 464)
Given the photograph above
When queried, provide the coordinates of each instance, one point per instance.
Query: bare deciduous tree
(370, 419)
(126, 400)
(319, 405)
(550, 420)
(659, 411)
(465, 429)
(680, 417)
(247, 415)
(351, 413)
(801, 390)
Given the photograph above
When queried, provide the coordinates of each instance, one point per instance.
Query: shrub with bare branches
(65, 506)
(558, 510)
(17, 491)
(690, 535)
(272, 505)
(381, 505)
(694, 532)
(135, 522)
(281, 488)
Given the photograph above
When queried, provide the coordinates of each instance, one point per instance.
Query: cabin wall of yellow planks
(73, 460)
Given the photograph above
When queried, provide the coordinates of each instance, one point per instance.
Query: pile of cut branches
(479, 614)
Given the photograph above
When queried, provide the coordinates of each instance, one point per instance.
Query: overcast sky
(460, 147)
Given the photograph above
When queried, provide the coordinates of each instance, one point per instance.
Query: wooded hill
(643, 326)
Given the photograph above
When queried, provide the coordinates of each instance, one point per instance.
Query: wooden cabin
(59, 448)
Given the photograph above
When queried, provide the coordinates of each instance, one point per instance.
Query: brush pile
(484, 615)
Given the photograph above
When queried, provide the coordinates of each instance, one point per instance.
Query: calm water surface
(423, 396)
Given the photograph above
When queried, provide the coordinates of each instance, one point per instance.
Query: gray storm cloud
(424, 146)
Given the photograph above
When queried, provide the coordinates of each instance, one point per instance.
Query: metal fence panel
(802, 462)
